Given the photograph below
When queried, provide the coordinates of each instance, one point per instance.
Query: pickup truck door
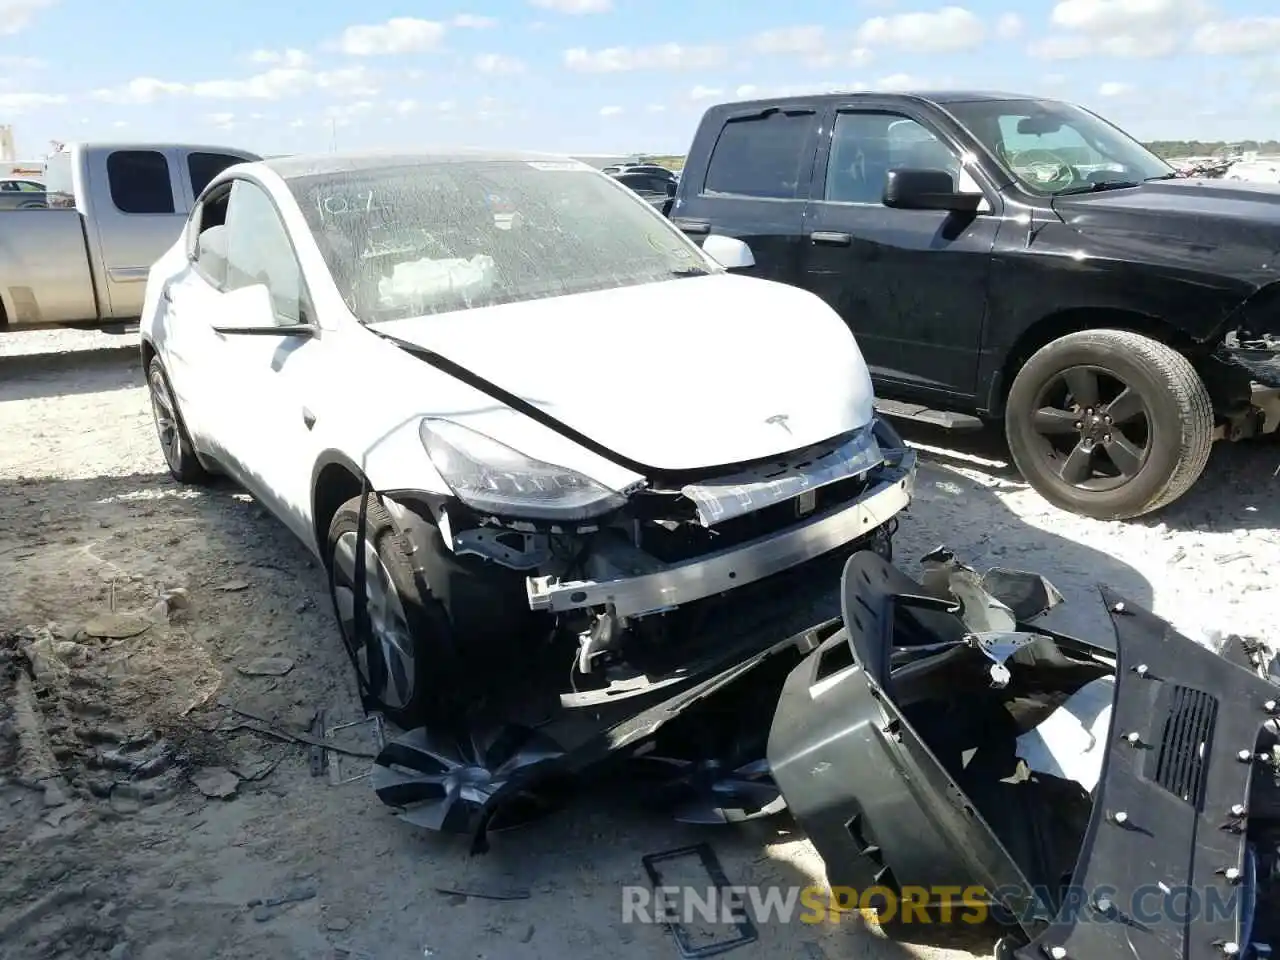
(911, 284)
(751, 182)
(139, 200)
(136, 210)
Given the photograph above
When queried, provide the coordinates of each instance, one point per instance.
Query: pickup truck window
(258, 250)
(139, 181)
(203, 167)
(761, 156)
(866, 145)
(1052, 147)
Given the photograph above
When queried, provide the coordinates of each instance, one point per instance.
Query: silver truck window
(139, 181)
(865, 146)
(258, 250)
(203, 167)
(761, 156)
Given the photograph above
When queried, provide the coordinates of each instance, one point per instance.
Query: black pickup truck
(1009, 257)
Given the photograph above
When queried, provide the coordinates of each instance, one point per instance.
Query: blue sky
(601, 75)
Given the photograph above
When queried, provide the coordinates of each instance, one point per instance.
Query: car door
(755, 185)
(267, 430)
(911, 284)
(189, 306)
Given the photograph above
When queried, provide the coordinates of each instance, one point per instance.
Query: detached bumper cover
(1170, 873)
(888, 494)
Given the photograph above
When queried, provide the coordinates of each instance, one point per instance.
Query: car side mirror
(730, 252)
(927, 190)
(250, 311)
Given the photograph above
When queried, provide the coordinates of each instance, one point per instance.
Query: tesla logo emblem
(781, 420)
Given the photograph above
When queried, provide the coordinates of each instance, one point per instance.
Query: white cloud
(138, 90)
(223, 121)
(1009, 26)
(746, 91)
(860, 57)
(670, 56)
(16, 15)
(809, 40)
(900, 81)
(1247, 35)
(610, 111)
(574, 7)
(21, 63)
(497, 63)
(276, 84)
(22, 102)
(1114, 89)
(397, 35)
(705, 93)
(292, 57)
(1124, 29)
(947, 29)
(404, 107)
(1119, 16)
(1123, 46)
(655, 108)
(469, 21)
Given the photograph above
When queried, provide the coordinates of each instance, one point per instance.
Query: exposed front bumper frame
(738, 566)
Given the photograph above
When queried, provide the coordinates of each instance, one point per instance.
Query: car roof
(323, 164)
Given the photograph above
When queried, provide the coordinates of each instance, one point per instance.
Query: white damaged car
(552, 420)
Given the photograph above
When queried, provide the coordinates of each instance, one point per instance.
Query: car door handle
(831, 239)
(308, 418)
(692, 226)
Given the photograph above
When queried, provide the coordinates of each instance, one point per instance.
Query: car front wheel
(406, 657)
(1109, 424)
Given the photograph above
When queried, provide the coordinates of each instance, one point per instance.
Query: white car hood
(679, 375)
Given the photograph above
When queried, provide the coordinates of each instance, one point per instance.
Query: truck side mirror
(730, 252)
(927, 190)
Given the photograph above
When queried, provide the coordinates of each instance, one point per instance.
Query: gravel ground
(109, 846)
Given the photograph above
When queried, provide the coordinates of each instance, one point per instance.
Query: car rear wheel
(175, 441)
(1109, 424)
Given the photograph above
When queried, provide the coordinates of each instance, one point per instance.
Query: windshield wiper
(1099, 186)
(1163, 176)
(689, 272)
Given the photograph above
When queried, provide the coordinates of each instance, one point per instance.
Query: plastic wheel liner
(904, 747)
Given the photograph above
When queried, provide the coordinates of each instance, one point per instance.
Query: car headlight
(491, 477)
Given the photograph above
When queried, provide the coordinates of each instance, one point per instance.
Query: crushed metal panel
(748, 491)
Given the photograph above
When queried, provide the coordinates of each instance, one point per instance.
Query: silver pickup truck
(113, 208)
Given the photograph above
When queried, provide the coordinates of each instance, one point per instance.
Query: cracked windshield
(434, 238)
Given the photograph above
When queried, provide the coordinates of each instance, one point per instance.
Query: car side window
(865, 146)
(203, 167)
(209, 251)
(259, 251)
(762, 156)
(139, 181)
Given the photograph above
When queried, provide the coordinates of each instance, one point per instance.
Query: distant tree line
(1210, 148)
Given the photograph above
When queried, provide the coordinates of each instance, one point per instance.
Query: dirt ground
(144, 627)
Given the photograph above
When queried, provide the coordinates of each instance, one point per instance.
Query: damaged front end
(1107, 803)
(613, 579)
(1250, 351)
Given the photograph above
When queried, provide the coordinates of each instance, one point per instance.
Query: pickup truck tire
(175, 442)
(417, 676)
(1109, 423)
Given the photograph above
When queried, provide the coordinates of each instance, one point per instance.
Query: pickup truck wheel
(406, 664)
(1109, 424)
(175, 441)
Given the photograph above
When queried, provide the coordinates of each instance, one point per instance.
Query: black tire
(175, 442)
(1080, 458)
